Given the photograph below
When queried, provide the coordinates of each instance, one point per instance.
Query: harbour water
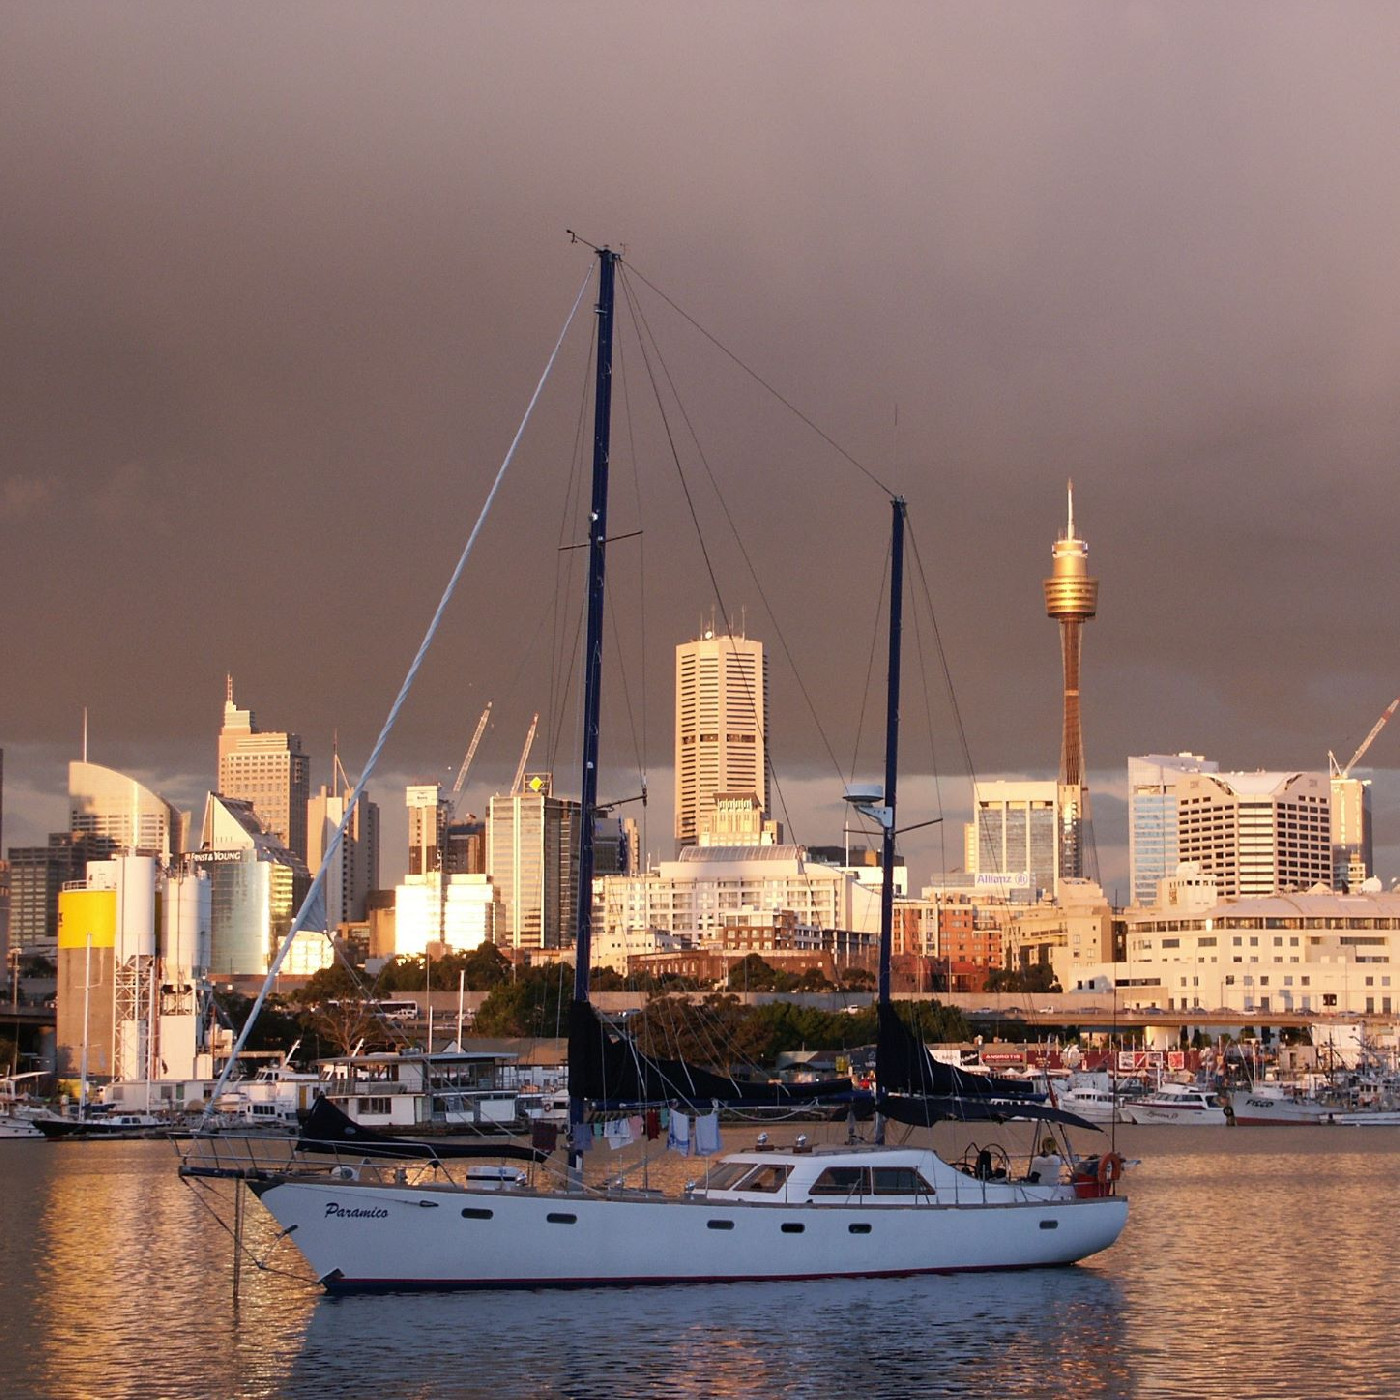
(1257, 1262)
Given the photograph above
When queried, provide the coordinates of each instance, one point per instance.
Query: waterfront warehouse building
(1308, 952)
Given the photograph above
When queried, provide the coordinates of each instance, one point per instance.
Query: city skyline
(251, 337)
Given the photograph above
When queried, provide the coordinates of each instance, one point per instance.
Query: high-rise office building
(1072, 599)
(721, 727)
(37, 874)
(428, 812)
(1012, 845)
(106, 804)
(532, 860)
(256, 887)
(354, 871)
(1256, 833)
(1153, 850)
(1352, 857)
(268, 769)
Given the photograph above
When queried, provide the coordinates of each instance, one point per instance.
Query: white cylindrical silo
(136, 907)
(185, 935)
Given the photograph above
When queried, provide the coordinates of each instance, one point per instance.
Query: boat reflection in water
(1006, 1335)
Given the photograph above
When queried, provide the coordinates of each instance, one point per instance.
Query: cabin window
(862, 1228)
(767, 1178)
(1049, 1224)
(793, 1227)
(719, 1224)
(841, 1181)
(377, 1104)
(473, 1213)
(723, 1177)
(558, 1217)
(898, 1181)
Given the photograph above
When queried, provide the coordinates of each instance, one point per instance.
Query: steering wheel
(993, 1163)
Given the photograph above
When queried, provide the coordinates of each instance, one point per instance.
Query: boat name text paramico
(355, 1212)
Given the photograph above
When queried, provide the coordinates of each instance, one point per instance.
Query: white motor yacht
(1178, 1103)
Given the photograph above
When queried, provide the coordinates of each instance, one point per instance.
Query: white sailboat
(383, 1215)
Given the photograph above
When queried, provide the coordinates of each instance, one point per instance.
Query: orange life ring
(1110, 1168)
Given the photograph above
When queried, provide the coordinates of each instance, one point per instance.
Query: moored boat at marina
(1180, 1104)
(1272, 1105)
(96, 1124)
(1097, 1096)
(13, 1126)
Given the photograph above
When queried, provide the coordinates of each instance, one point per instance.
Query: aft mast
(886, 811)
(887, 814)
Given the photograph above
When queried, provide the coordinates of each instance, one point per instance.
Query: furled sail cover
(606, 1067)
(915, 1088)
(327, 1129)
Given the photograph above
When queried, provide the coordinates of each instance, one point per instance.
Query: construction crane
(471, 750)
(524, 757)
(1339, 772)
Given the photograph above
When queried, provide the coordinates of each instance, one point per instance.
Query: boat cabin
(446, 1089)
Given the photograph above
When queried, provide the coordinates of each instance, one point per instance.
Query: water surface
(1257, 1262)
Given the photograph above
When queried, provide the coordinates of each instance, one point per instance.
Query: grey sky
(278, 281)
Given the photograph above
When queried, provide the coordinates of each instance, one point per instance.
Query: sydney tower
(1071, 598)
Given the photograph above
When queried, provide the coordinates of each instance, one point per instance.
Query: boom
(525, 756)
(471, 749)
(1365, 743)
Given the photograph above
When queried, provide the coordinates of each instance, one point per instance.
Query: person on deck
(1047, 1168)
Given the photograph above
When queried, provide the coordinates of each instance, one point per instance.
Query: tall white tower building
(721, 728)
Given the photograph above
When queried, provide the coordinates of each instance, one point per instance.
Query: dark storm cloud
(279, 280)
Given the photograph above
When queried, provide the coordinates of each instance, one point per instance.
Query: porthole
(720, 1224)
(556, 1217)
(472, 1213)
(859, 1229)
(793, 1227)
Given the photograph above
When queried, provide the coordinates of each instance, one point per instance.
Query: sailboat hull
(373, 1237)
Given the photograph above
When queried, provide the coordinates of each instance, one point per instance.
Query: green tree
(719, 1032)
(753, 974)
(1039, 977)
(534, 1004)
(278, 1026)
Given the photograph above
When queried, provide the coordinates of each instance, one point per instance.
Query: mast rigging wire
(754, 375)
